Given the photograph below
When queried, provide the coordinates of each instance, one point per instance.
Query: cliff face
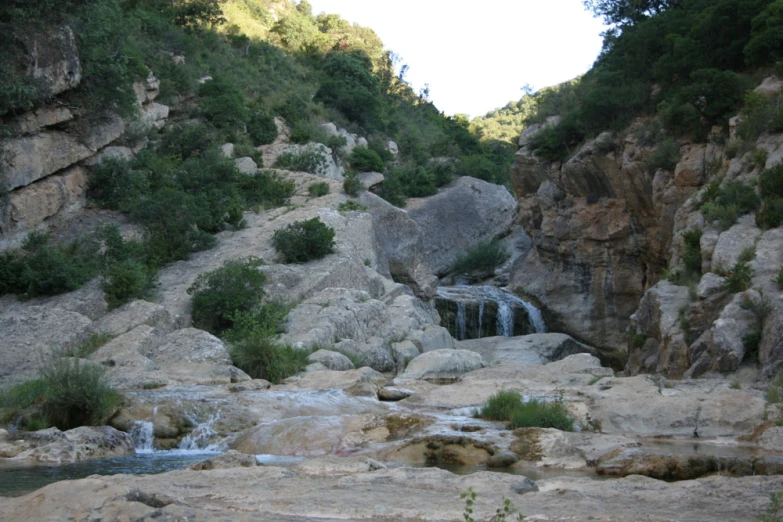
(604, 227)
(42, 175)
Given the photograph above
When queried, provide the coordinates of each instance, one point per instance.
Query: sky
(477, 55)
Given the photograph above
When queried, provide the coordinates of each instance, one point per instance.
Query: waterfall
(202, 437)
(472, 306)
(142, 434)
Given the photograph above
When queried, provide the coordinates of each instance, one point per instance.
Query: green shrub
(731, 200)
(508, 405)
(751, 342)
(482, 167)
(481, 257)
(739, 277)
(774, 511)
(351, 184)
(771, 188)
(67, 394)
(218, 295)
(351, 206)
(500, 406)
(779, 279)
(692, 255)
(366, 160)
(308, 160)
(43, 269)
(665, 156)
(127, 280)
(266, 188)
(318, 189)
(771, 182)
(263, 358)
(536, 414)
(261, 128)
(303, 241)
(113, 183)
(726, 216)
(222, 104)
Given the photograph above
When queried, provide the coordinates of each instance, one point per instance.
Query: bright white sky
(477, 55)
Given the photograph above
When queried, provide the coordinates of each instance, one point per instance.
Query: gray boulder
(527, 349)
(331, 360)
(459, 216)
(441, 366)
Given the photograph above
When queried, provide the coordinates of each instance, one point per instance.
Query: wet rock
(637, 461)
(391, 394)
(228, 460)
(55, 447)
(502, 460)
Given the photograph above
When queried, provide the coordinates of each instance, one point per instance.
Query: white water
(202, 438)
(506, 302)
(142, 434)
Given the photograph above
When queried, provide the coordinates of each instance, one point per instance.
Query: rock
(82, 443)
(728, 332)
(133, 314)
(336, 380)
(657, 322)
(315, 367)
(461, 215)
(392, 147)
(670, 467)
(370, 179)
(441, 366)
(771, 439)
(147, 90)
(335, 466)
(404, 352)
(228, 150)
(328, 168)
(228, 460)
(33, 121)
(54, 58)
(32, 333)
(111, 152)
(690, 170)
(392, 394)
(709, 285)
(331, 360)
(733, 241)
(401, 245)
(431, 338)
(527, 349)
(192, 356)
(503, 460)
(126, 367)
(153, 116)
(52, 196)
(246, 165)
(770, 86)
(351, 140)
(356, 323)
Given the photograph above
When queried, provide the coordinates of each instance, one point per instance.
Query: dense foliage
(304, 241)
(529, 413)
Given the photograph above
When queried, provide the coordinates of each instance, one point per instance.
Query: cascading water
(202, 438)
(142, 434)
(471, 312)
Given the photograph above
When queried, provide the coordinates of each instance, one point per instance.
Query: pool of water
(17, 480)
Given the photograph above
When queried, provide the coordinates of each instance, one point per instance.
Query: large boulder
(442, 366)
(526, 349)
(460, 215)
(53, 446)
(352, 321)
(402, 246)
(657, 324)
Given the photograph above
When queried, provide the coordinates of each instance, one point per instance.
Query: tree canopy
(628, 12)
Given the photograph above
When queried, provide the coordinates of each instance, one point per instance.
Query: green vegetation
(88, 347)
(508, 406)
(351, 206)
(505, 510)
(220, 294)
(739, 278)
(482, 257)
(308, 160)
(351, 184)
(691, 257)
(665, 157)
(67, 393)
(317, 190)
(688, 64)
(771, 190)
(304, 241)
(725, 203)
(774, 512)
(366, 160)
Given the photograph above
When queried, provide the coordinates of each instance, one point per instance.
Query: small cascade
(202, 438)
(142, 434)
(471, 312)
